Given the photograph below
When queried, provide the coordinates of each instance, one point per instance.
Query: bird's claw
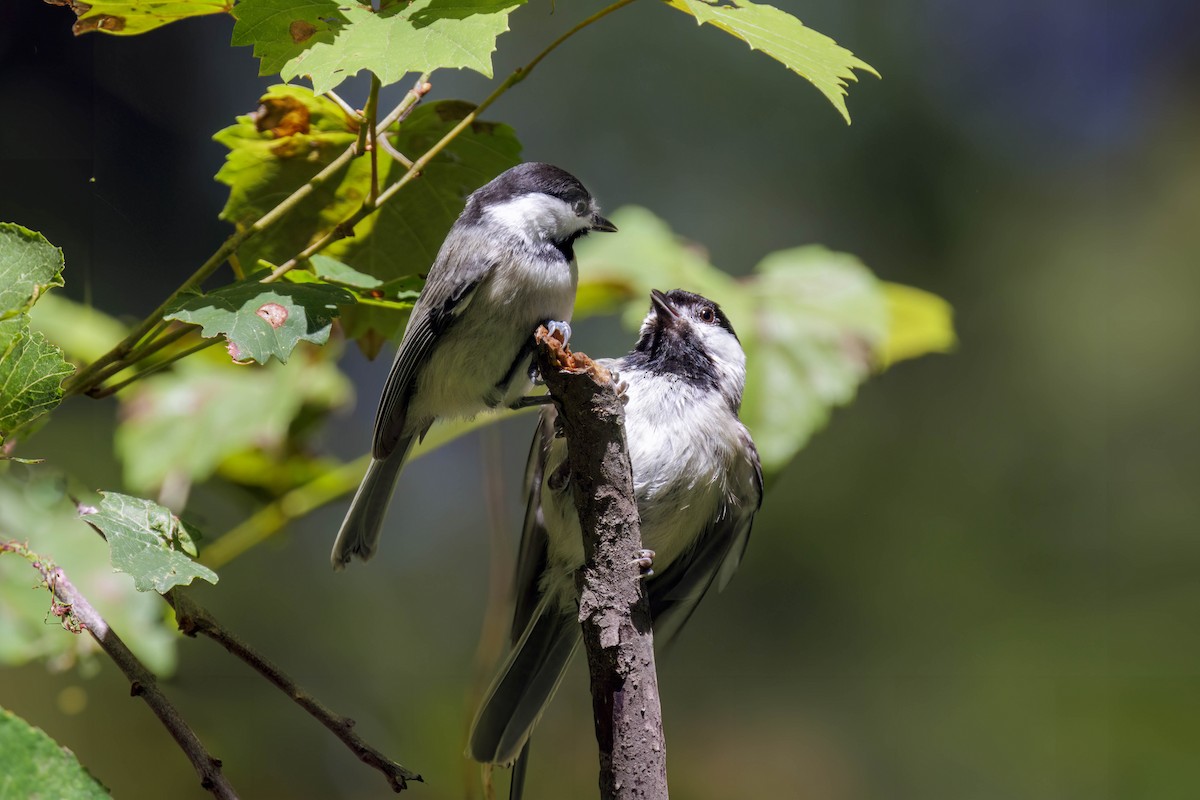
(559, 330)
(644, 560)
(621, 386)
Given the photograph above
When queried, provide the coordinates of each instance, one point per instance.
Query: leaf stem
(346, 108)
(369, 115)
(98, 392)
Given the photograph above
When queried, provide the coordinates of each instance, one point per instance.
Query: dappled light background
(980, 580)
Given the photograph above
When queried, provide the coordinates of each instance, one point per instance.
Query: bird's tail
(359, 534)
(524, 686)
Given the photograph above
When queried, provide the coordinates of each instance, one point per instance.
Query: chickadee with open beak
(698, 484)
(506, 267)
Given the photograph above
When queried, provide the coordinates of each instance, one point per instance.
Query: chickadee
(506, 267)
(698, 484)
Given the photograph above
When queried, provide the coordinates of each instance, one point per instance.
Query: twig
(394, 153)
(613, 608)
(398, 114)
(369, 114)
(104, 391)
(346, 108)
(78, 614)
(194, 619)
(143, 351)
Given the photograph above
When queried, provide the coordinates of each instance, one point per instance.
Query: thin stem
(104, 391)
(78, 614)
(369, 114)
(394, 153)
(147, 349)
(346, 108)
(405, 107)
(193, 619)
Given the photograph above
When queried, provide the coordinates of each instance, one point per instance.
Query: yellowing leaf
(812, 55)
(919, 322)
(131, 17)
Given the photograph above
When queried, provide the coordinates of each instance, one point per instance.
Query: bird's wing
(675, 594)
(532, 553)
(453, 280)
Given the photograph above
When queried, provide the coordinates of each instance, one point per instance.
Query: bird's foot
(644, 561)
(559, 330)
(622, 387)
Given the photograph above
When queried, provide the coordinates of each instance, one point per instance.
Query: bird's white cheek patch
(536, 216)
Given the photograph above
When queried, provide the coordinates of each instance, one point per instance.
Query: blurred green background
(981, 581)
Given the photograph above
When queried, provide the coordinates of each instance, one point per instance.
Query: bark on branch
(613, 608)
(78, 615)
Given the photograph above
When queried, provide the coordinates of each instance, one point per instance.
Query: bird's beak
(599, 223)
(663, 307)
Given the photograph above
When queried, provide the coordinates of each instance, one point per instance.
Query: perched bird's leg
(644, 561)
(555, 330)
(532, 400)
(622, 387)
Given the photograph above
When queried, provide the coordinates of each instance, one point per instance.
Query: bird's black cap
(529, 178)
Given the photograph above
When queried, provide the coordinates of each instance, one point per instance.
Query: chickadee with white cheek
(698, 484)
(506, 267)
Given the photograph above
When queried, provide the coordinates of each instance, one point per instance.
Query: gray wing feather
(462, 264)
(676, 593)
(531, 554)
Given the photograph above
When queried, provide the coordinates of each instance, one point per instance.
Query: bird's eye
(708, 315)
(581, 207)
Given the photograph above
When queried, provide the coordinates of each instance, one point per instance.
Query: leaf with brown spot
(281, 116)
(301, 31)
(131, 17)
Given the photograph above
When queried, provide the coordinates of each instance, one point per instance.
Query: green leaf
(784, 38)
(330, 42)
(35, 508)
(148, 542)
(280, 30)
(35, 766)
(820, 319)
(813, 323)
(264, 319)
(29, 265)
(335, 271)
(31, 374)
(130, 17)
(185, 423)
(273, 152)
(398, 243)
